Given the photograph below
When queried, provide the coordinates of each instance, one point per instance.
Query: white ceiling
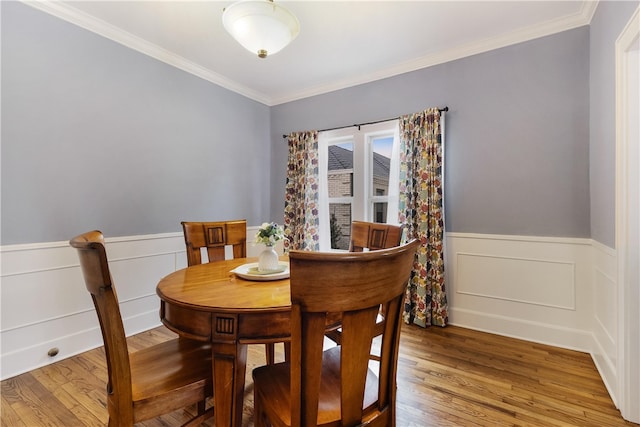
(341, 43)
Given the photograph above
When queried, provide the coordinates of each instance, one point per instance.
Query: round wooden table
(209, 303)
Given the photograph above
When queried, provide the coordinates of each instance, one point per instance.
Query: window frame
(363, 198)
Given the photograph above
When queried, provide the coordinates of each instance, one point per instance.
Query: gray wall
(142, 145)
(606, 25)
(96, 135)
(517, 133)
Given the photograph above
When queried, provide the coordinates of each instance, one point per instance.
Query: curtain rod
(442, 110)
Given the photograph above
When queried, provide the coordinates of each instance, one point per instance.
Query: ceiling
(341, 43)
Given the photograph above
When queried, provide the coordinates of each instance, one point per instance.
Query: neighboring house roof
(341, 158)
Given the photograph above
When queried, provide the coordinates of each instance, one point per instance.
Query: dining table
(210, 302)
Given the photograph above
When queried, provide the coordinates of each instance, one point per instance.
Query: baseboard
(539, 332)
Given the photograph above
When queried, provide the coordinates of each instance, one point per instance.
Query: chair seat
(169, 374)
(274, 380)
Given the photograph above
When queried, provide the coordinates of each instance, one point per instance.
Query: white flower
(269, 233)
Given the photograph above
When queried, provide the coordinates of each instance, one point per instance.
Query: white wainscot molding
(550, 290)
(533, 288)
(44, 303)
(605, 316)
(557, 291)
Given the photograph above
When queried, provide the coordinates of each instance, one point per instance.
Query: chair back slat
(357, 334)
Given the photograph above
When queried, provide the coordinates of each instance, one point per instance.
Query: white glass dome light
(260, 26)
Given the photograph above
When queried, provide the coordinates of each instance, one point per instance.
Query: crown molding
(98, 26)
(118, 35)
(530, 33)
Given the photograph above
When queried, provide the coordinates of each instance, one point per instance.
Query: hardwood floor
(446, 377)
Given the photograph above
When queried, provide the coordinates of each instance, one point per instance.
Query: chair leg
(287, 351)
(258, 416)
(270, 353)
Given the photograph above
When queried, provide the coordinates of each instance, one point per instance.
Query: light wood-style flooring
(446, 377)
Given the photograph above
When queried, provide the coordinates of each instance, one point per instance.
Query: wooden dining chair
(336, 387)
(374, 236)
(371, 236)
(150, 382)
(214, 236)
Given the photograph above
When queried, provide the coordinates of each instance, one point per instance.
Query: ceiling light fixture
(261, 26)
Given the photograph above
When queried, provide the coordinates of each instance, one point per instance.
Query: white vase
(268, 260)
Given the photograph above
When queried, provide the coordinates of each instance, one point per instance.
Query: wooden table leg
(229, 370)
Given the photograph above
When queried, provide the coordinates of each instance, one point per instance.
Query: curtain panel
(301, 219)
(421, 211)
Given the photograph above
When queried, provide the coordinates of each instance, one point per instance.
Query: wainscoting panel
(557, 291)
(43, 295)
(524, 280)
(533, 288)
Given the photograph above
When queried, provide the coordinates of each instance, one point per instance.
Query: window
(357, 171)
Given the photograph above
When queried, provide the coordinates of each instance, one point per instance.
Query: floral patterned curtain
(301, 193)
(422, 214)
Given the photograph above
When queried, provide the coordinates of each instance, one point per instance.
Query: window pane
(340, 173)
(340, 224)
(380, 212)
(381, 161)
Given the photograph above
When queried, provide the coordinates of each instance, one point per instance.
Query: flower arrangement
(269, 233)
